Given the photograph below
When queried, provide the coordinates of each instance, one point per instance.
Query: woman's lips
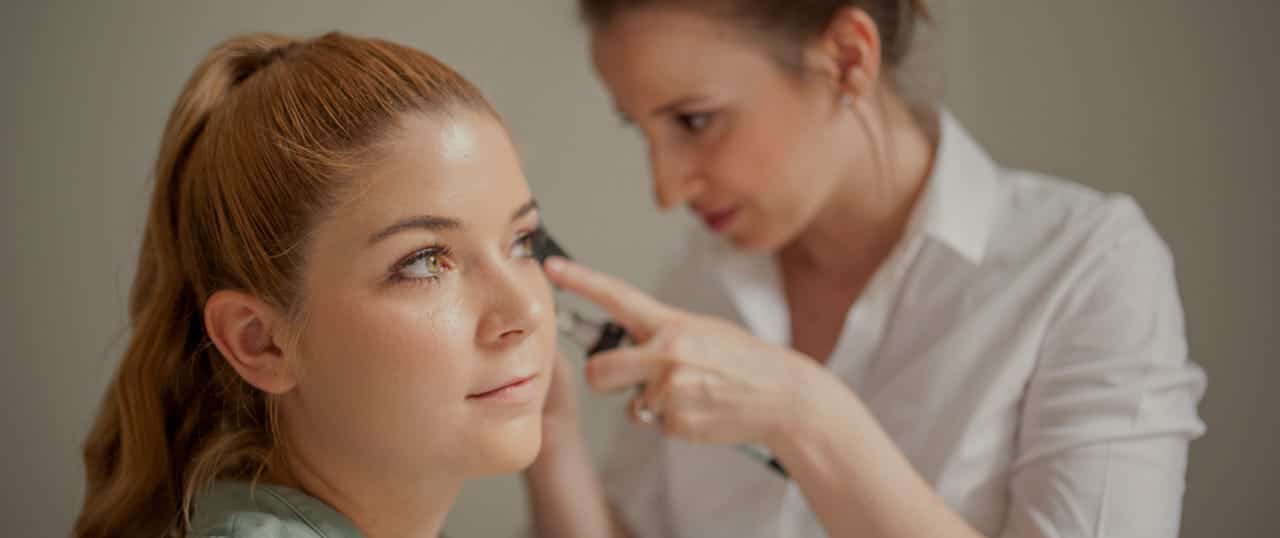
(516, 390)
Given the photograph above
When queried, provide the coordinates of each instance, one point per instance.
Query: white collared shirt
(1023, 346)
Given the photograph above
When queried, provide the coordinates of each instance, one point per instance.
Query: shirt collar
(957, 208)
(225, 499)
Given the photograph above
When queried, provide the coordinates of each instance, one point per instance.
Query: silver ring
(645, 415)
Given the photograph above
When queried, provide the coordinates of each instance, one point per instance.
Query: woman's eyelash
(536, 239)
(397, 272)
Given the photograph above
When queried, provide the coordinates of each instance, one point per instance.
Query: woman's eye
(527, 245)
(694, 122)
(428, 264)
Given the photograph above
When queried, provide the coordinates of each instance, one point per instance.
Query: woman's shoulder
(232, 509)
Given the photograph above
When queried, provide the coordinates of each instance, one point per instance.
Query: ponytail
(144, 458)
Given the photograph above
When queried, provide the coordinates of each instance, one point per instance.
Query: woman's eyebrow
(434, 223)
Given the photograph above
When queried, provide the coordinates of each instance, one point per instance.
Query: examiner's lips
(718, 219)
(514, 390)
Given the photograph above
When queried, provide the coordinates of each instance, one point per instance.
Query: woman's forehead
(462, 167)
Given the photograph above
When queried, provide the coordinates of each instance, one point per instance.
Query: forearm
(855, 479)
(565, 493)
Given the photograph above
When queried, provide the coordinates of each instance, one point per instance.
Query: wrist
(817, 399)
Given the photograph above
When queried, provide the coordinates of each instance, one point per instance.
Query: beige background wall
(1166, 99)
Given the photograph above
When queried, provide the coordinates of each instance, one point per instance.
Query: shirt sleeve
(1111, 408)
(634, 466)
(634, 481)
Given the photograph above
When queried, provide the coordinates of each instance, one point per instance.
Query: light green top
(235, 510)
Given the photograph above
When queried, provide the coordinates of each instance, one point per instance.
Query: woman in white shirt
(929, 344)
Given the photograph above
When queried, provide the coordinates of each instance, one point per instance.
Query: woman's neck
(868, 213)
(379, 508)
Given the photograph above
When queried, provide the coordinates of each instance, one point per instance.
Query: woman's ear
(246, 331)
(849, 52)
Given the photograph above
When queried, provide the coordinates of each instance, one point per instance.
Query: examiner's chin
(766, 236)
(756, 243)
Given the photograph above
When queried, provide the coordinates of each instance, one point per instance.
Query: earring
(846, 100)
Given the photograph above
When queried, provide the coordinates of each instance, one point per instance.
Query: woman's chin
(508, 449)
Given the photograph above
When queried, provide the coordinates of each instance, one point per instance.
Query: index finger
(623, 368)
(635, 310)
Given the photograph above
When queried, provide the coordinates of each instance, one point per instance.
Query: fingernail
(554, 264)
